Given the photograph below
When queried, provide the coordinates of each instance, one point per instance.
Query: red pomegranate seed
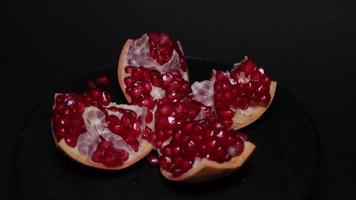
(176, 150)
(265, 80)
(167, 79)
(211, 144)
(220, 76)
(185, 165)
(146, 87)
(256, 75)
(248, 66)
(103, 81)
(105, 98)
(227, 123)
(136, 74)
(152, 159)
(148, 102)
(264, 100)
(155, 78)
(128, 81)
(226, 114)
(165, 110)
(263, 89)
(167, 151)
(189, 150)
(60, 132)
(164, 163)
(95, 94)
(221, 154)
(71, 140)
(59, 99)
(149, 117)
(126, 121)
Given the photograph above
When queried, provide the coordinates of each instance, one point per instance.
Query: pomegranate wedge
(239, 96)
(92, 130)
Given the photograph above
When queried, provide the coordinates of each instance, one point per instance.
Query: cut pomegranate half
(96, 132)
(239, 96)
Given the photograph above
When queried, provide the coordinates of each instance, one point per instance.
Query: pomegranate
(97, 132)
(192, 141)
(192, 130)
(239, 96)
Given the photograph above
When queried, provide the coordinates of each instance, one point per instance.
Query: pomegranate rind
(243, 119)
(205, 169)
(144, 149)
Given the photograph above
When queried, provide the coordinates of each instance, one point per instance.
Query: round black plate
(283, 165)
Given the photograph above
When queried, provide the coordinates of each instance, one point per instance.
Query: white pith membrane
(203, 92)
(97, 130)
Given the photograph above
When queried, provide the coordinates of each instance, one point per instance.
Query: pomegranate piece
(246, 85)
(92, 126)
(239, 96)
(198, 140)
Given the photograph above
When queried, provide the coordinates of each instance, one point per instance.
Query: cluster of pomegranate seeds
(146, 87)
(161, 48)
(67, 113)
(246, 85)
(108, 155)
(128, 127)
(67, 117)
(139, 86)
(192, 132)
(169, 117)
(200, 139)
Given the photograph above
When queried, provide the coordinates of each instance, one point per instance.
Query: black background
(308, 46)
